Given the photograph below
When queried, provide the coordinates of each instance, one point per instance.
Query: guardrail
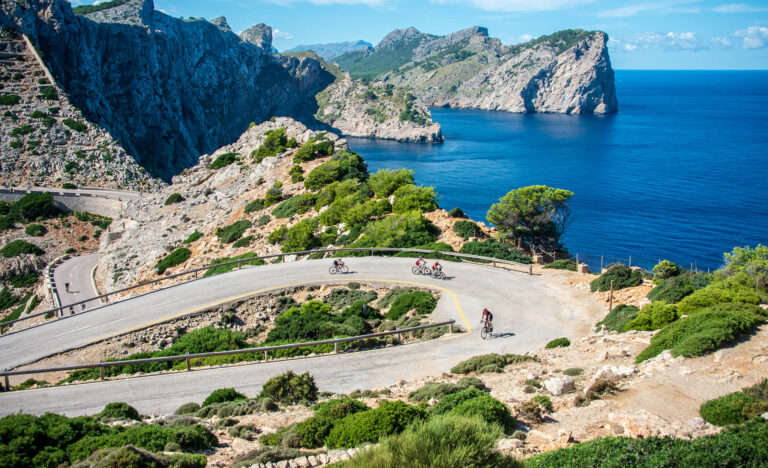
(188, 357)
(239, 263)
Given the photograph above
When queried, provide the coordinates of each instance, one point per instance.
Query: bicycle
(486, 331)
(437, 274)
(341, 269)
(421, 270)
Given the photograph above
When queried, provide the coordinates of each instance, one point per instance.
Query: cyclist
(420, 262)
(437, 266)
(338, 262)
(66, 287)
(487, 319)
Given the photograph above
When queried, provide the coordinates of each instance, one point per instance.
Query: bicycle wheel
(332, 270)
(415, 270)
(344, 269)
(484, 332)
(439, 275)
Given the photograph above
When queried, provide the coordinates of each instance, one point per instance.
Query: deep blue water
(681, 172)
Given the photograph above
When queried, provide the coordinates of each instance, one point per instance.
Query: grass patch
(564, 264)
(233, 232)
(489, 363)
(177, 257)
(193, 237)
(558, 343)
(223, 160)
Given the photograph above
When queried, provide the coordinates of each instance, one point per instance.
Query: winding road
(528, 312)
(78, 273)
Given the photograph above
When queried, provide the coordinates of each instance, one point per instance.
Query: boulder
(559, 385)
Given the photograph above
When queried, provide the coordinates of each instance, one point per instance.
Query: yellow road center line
(253, 293)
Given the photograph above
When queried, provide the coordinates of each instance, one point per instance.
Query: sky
(644, 34)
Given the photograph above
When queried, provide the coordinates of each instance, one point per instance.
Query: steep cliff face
(567, 72)
(167, 89)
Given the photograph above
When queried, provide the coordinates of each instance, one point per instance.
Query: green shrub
(75, 125)
(278, 235)
(297, 174)
(68, 186)
(223, 394)
(22, 130)
(617, 319)
(457, 213)
(7, 299)
(35, 205)
(653, 316)
(573, 371)
(274, 144)
(476, 363)
(702, 333)
(243, 242)
(397, 231)
(437, 391)
(665, 270)
(558, 343)
(274, 195)
(233, 232)
(422, 301)
(177, 257)
(193, 237)
(248, 258)
(413, 198)
(672, 290)
(731, 290)
(255, 205)
(7, 223)
(48, 93)
(475, 402)
(20, 247)
(295, 205)
(544, 401)
(391, 417)
(737, 407)
(313, 321)
(187, 408)
(312, 149)
(35, 230)
(290, 388)
(300, 236)
(341, 167)
(9, 99)
(385, 181)
(466, 229)
(16, 144)
(564, 264)
(23, 280)
(263, 220)
(173, 198)
(223, 160)
(119, 410)
(312, 432)
(738, 446)
(265, 455)
(621, 275)
(495, 249)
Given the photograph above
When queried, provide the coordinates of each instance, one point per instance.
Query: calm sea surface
(680, 173)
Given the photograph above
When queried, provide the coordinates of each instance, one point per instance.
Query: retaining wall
(103, 205)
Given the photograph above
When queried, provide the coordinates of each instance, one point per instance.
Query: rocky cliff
(567, 72)
(167, 89)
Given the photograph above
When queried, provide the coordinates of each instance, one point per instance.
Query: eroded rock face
(167, 89)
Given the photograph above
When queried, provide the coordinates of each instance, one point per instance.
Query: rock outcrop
(360, 110)
(168, 89)
(567, 72)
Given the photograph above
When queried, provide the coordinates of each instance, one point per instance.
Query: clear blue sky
(645, 34)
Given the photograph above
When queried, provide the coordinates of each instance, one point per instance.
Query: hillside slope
(567, 72)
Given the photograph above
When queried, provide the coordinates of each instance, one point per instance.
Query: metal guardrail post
(7, 384)
(530, 270)
(336, 345)
(189, 366)
(266, 356)
(101, 372)
(450, 329)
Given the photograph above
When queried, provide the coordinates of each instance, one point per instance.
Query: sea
(680, 173)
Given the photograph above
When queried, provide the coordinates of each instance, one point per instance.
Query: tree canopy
(536, 215)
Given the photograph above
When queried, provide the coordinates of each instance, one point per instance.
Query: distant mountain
(330, 51)
(566, 72)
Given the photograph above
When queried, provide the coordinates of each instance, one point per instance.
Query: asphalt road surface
(78, 273)
(528, 312)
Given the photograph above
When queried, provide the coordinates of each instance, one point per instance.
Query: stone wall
(104, 205)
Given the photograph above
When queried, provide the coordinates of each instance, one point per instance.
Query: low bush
(437, 390)
(564, 264)
(20, 247)
(35, 230)
(495, 249)
(243, 242)
(341, 167)
(573, 371)
(653, 316)
(665, 270)
(413, 198)
(442, 441)
(223, 394)
(421, 301)
(702, 333)
(457, 213)
(119, 411)
(255, 205)
(187, 408)
(735, 289)
(290, 388)
(233, 232)
(33, 206)
(312, 149)
(466, 229)
(297, 174)
(23, 280)
(9, 99)
(193, 237)
(314, 321)
(385, 181)
(175, 258)
(48, 93)
(544, 401)
(744, 445)
(264, 456)
(173, 198)
(484, 361)
(231, 409)
(391, 417)
(274, 195)
(133, 457)
(7, 222)
(397, 231)
(312, 432)
(75, 125)
(274, 144)
(301, 236)
(223, 160)
(295, 205)
(248, 258)
(617, 319)
(475, 402)
(621, 275)
(737, 407)
(558, 343)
